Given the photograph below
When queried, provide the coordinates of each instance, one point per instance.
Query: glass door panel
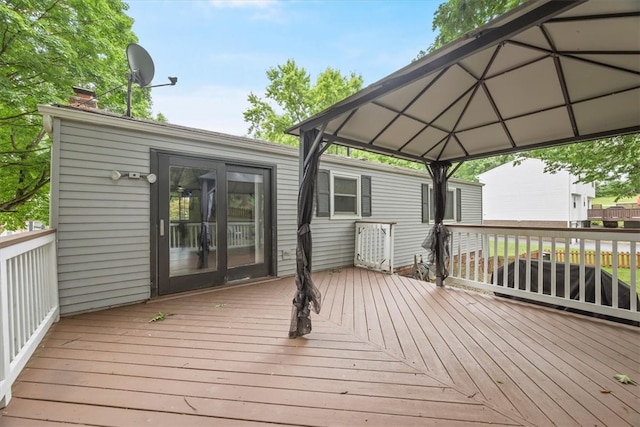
(192, 221)
(245, 218)
(212, 222)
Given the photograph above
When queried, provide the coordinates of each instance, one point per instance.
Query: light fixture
(116, 175)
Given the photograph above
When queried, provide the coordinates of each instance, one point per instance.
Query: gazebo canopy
(547, 73)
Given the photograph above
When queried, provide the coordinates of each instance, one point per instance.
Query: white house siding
(524, 193)
(103, 226)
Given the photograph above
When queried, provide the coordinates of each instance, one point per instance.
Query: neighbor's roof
(547, 73)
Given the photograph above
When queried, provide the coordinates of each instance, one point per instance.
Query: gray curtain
(438, 240)
(307, 295)
(207, 192)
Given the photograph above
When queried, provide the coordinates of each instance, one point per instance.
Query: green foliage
(160, 317)
(624, 379)
(290, 98)
(453, 18)
(46, 47)
(614, 161)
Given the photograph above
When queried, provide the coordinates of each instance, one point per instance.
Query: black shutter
(458, 204)
(425, 203)
(365, 195)
(323, 194)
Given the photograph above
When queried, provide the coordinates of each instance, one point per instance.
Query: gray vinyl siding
(104, 226)
(396, 196)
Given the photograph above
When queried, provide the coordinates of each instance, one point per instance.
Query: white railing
(374, 245)
(479, 254)
(186, 235)
(28, 300)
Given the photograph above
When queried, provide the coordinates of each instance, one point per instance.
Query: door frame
(154, 217)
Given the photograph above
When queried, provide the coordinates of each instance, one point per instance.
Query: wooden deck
(386, 350)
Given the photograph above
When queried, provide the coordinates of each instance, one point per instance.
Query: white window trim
(335, 215)
(451, 192)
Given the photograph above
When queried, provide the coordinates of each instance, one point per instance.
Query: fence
(28, 300)
(606, 258)
(471, 265)
(374, 245)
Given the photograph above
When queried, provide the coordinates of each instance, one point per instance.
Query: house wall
(104, 225)
(396, 197)
(524, 194)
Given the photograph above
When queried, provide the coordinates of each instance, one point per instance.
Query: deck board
(384, 351)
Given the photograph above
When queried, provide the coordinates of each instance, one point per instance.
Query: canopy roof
(547, 73)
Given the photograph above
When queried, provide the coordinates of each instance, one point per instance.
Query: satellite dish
(142, 70)
(140, 64)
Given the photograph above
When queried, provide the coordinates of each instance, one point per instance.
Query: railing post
(28, 301)
(5, 360)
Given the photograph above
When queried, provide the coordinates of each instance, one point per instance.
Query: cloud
(213, 107)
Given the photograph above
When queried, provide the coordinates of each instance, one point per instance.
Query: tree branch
(21, 196)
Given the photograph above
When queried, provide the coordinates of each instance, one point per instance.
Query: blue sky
(220, 49)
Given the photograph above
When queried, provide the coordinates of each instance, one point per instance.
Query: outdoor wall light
(116, 175)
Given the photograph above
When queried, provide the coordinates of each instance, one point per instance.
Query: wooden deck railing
(614, 214)
(28, 300)
(374, 245)
(479, 252)
(186, 235)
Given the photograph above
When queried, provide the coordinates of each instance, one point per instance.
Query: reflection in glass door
(192, 220)
(245, 219)
(213, 223)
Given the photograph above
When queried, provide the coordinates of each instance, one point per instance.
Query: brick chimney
(83, 98)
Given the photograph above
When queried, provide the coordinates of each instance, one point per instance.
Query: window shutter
(425, 203)
(365, 194)
(458, 204)
(323, 194)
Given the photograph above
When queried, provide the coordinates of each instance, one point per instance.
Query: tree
(290, 98)
(613, 162)
(454, 18)
(46, 47)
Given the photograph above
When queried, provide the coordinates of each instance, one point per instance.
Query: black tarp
(437, 242)
(307, 295)
(606, 281)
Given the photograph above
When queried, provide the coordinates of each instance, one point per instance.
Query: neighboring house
(124, 237)
(524, 195)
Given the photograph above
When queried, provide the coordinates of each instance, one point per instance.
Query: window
(343, 195)
(453, 208)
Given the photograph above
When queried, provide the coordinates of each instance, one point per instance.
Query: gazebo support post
(438, 171)
(307, 295)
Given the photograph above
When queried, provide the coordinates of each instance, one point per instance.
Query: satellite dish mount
(141, 70)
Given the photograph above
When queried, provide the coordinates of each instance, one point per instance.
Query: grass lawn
(611, 201)
(624, 274)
